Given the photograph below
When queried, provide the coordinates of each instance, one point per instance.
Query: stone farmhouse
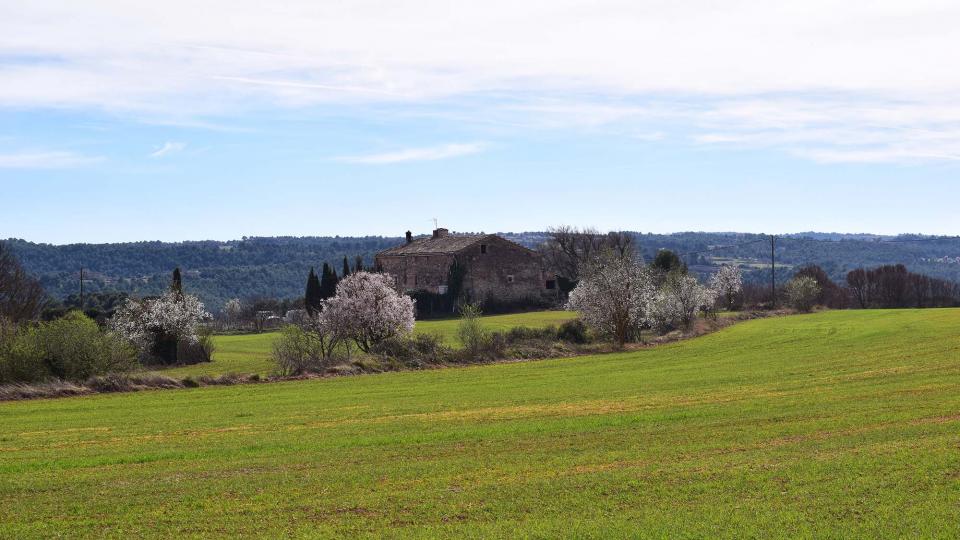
(496, 268)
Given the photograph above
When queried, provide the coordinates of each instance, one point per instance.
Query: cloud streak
(727, 64)
(46, 160)
(432, 153)
(168, 148)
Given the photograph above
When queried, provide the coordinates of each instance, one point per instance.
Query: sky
(126, 121)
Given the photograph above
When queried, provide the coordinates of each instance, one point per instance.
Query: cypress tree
(328, 282)
(358, 264)
(346, 268)
(176, 285)
(312, 298)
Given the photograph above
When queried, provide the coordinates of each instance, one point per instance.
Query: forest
(277, 267)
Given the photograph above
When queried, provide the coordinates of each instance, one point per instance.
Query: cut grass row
(250, 353)
(839, 424)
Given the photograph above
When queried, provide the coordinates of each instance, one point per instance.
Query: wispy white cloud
(431, 153)
(46, 160)
(850, 66)
(168, 148)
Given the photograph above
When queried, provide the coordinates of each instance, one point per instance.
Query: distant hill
(278, 266)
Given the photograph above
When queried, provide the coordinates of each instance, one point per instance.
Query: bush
(297, 351)
(195, 351)
(527, 333)
(574, 331)
(72, 348)
(470, 330)
(802, 293)
(415, 350)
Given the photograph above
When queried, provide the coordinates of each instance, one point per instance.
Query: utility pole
(773, 271)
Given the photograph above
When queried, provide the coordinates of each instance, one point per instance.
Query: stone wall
(496, 268)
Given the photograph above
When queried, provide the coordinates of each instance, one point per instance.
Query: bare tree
(569, 249)
(21, 295)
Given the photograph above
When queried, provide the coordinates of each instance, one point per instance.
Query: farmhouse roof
(442, 242)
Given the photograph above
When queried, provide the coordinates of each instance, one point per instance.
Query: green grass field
(838, 424)
(250, 353)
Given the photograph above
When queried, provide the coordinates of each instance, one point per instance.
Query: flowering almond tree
(678, 301)
(368, 309)
(727, 283)
(613, 296)
(154, 324)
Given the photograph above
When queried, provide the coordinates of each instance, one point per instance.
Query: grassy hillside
(840, 424)
(250, 353)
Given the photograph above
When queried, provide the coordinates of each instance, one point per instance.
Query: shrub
(802, 292)
(470, 331)
(198, 350)
(71, 348)
(527, 333)
(574, 331)
(413, 351)
(297, 351)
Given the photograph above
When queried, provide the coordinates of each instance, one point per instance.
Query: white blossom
(613, 296)
(678, 301)
(368, 309)
(173, 314)
(726, 283)
(233, 310)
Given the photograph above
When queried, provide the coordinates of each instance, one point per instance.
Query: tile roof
(447, 244)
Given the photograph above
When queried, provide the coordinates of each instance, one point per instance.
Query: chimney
(439, 233)
(409, 237)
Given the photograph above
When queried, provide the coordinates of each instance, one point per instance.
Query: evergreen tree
(358, 264)
(668, 261)
(328, 282)
(176, 285)
(312, 298)
(346, 268)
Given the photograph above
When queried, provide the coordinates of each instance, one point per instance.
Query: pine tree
(346, 268)
(312, 298)
(328, 282)
(176, 285)
(358, 264)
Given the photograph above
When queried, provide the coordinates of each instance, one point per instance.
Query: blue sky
(121, 123)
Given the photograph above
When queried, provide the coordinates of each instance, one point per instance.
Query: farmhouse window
(483, 248)
(551, 284)
(510, 278)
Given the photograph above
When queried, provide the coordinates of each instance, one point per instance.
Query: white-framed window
(509, 278)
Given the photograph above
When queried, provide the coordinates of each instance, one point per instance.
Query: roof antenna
(435, 225)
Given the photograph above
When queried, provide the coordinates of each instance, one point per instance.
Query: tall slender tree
(176, 284)
(328, 282)
(346, 268)
(358, 264)
(312, 298)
